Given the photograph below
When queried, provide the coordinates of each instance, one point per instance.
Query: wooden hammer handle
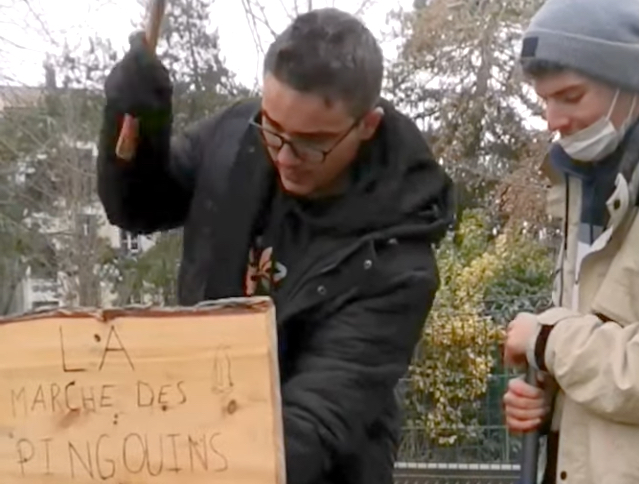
(127, 142)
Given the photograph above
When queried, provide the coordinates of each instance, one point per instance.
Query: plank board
(137, 396)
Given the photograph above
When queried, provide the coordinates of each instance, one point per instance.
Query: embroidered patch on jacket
(263, 274)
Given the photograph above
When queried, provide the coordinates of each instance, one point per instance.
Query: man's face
(573, 102)
(325, 138)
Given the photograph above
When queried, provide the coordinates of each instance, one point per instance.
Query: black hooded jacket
(360, 269)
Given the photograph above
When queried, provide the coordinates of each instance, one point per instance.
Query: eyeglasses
(303, 151)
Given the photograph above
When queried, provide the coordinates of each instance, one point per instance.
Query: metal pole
(530, 447)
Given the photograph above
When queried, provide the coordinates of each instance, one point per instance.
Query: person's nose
(287, 157)
(556, 118)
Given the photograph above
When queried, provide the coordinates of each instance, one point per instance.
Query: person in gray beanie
(582, 58)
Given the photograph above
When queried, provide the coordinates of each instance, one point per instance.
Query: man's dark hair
(332, 54)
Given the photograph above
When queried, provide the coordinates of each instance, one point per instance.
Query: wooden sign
(141, 396)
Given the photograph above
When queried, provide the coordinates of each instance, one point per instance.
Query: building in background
(44, 286)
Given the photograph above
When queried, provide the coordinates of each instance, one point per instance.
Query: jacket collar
(626, 192)
(250, 184)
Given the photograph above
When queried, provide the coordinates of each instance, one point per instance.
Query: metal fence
(491, 456)
(492, 444)
(407, 473)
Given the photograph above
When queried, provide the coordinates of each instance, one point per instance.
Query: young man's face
(573, 102)
(325, 138)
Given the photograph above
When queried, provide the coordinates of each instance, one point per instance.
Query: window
(44, 305)
(129, 243)
(87, 225)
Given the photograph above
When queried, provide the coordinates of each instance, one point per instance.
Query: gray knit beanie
(599, 38)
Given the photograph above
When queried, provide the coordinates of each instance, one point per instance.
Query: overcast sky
(31, 28)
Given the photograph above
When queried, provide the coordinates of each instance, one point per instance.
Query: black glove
(139, 85)
(142, 194)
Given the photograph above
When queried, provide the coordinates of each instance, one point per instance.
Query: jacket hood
(397, 187)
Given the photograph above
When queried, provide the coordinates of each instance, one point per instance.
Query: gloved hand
(139, 85)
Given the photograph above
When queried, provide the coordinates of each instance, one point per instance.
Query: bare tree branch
(40, 22)
(366, 4)
(263, 19)
(252, 20)
(288, 14)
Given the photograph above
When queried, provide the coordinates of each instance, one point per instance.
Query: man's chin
(294, 187)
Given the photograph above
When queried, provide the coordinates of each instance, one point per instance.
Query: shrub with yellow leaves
(460, 346)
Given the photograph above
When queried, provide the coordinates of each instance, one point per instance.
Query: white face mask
(599, 139)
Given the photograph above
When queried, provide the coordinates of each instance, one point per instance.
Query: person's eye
(572, 98)
(311, 144)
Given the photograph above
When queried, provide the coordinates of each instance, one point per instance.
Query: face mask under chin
(598, 140)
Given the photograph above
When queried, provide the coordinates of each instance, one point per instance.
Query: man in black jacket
(320, 195)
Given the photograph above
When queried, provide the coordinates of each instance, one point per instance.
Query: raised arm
(152, 191)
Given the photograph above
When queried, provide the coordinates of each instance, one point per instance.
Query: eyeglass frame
(324, 153)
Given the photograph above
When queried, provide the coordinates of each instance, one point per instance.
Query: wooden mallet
(127, 142)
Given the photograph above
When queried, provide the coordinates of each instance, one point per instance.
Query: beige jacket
(596, 363)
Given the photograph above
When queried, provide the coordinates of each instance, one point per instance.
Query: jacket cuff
(546, 322)
(537, 347)
(532, 346)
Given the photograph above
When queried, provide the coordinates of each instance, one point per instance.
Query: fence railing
(487, 442)
(440, 473)
(488, 452)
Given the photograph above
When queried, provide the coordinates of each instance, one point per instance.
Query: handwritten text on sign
(163, 402)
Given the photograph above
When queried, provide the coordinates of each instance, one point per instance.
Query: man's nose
(556, 118)
(286, 156)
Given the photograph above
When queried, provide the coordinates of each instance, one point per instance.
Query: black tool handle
(530, 447)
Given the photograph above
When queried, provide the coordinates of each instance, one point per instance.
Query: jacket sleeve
(350, 367)
(153, 191)
(595, 363)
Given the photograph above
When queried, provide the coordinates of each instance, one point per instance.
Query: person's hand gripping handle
(127, 142)
(530, 447)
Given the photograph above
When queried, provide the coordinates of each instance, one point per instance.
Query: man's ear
(371, 121)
